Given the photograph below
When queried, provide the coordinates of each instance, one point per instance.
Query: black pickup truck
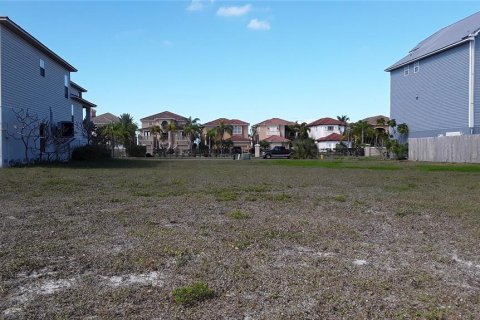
(277, 152)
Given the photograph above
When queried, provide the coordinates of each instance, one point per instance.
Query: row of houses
(327, 132)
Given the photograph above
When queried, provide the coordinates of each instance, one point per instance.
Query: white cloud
(197, 5)
(234, 11)
(256, 24)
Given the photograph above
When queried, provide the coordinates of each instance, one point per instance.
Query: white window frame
(416, 67)
(406, 70)
(237, 130)
(330, 128)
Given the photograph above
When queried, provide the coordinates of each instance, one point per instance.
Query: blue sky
(249, 60)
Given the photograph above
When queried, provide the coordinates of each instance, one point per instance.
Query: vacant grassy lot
(240, 240)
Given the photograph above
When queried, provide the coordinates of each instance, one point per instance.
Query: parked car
(277, 152)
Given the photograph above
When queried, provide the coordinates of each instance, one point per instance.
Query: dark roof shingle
(326, 122)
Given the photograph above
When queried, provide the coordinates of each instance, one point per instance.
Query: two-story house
(274, 131)
(435, 88)
(239, 136)
(41, 110)
(327, 132)
(163, 130)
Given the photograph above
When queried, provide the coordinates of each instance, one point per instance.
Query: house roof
(165, 115)
(331, 137)
(239, 138)
(452, 35)
(326, 122)
(83, 101)
(275, 122)
(226, 121)
(373, 120)
(76, 86)
(105, 118)
(276, 139)
(15, 28)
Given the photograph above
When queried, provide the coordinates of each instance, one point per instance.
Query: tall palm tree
(301, 130)
(113, 132)
(343, 118)
(211, 134)
(156, 131)
(362, 131)
(171, 127)
(223, 128)
(191, 130)
(129, 128)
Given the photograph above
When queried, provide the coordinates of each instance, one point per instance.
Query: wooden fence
(445, 149)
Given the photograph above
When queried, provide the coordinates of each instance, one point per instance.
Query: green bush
(189, 295)
(305, 149)
(89, 152)
(134, 150)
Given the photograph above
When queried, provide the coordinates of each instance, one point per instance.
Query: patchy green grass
(239, 215)
(192, 294)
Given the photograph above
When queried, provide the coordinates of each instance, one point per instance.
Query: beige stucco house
(272, 130)
(168, 138)
(239, 135)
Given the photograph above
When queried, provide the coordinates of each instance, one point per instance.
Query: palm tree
(301, 130)
(191, 130)
(129, 128)
(171, 127)
(211, 134)
(223, 128)
(343, 118)
(362, 131)
(113, 132)
(156, 131)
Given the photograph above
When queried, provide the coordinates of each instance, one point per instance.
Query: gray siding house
(35, 80)
(435, 89)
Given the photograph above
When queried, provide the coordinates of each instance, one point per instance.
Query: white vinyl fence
(445, 149)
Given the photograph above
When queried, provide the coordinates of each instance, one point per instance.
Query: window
(42, 68)
(416, 67)
(330, 128)
(406, 71)
(237, 129)
(273, 131)
(66, 86)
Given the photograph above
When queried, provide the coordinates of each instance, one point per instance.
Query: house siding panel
(442, 89)
(477, 86)
(24, 87)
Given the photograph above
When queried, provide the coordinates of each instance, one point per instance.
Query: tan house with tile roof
(175, 140)
(373, 121)
(239, 137)
(272, 130)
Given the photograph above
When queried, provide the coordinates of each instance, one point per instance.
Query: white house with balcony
(327, 133)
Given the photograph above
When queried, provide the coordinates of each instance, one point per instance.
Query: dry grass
(272, 239)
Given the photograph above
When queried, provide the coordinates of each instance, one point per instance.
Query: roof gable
(275, 122)
(331, 137)
(273, 139)
(19, 31)
(326, 122)
(216, 122)
(451, 35)
(105, 118)
(165, 115)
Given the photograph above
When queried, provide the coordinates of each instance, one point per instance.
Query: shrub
(134, 150)
(189, 295)
(90, 152)
(305, 149)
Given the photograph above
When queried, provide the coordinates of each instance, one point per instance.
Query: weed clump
(192, 294)
(239, 215)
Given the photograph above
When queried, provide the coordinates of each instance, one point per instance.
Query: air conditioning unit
(65, 129)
